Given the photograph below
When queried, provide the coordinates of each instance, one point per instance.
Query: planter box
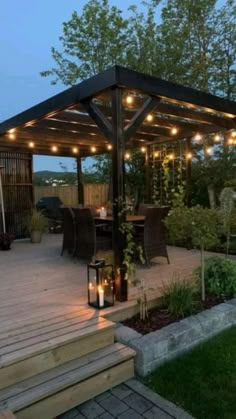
(158, 347)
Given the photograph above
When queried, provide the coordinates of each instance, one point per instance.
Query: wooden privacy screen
(17, 190)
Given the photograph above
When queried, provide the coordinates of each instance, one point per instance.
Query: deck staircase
(49, 366)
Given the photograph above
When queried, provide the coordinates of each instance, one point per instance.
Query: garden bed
(160, 317)
(155, 348)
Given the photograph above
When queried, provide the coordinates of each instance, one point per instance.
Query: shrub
(220, 276)
(178, 297)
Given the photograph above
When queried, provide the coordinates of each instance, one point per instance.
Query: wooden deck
(36, 283)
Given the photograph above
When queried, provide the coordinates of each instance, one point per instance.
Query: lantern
(100, 284)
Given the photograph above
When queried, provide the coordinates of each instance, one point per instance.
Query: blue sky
(28, 29)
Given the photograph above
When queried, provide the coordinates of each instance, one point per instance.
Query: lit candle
(101, 296)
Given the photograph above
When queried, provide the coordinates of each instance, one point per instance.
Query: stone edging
(155, 348)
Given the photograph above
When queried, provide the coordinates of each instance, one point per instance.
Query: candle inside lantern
(101, 296)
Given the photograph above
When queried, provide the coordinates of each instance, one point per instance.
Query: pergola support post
(188, 172)
(147, 176)
(80, 181)
(118, 193)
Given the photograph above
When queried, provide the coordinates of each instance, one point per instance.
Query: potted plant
(5, 241)
(37, 225)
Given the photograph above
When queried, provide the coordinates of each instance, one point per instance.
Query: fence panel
(94, 194)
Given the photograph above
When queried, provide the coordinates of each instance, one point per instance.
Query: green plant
(178, 297)
(220, 276)
(37, 221)
(202, 225)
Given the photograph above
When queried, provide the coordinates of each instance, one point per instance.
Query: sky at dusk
(28, 29)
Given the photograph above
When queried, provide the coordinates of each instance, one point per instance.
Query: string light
(109, 147)
(233, 134)
(174, 130)
(143, 149)
(11, 133)
(217, 138)
(171, 156)
(129, 100)
(75, 150)
(31, 144)
(156, 154)
(54, 148)
(230, 141)
(198, 137)
(189, 156)
(127, 156)
(12, 130)
(93, 149)
(149, 117)
(209, 150)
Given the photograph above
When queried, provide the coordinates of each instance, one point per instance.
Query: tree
(90, 43)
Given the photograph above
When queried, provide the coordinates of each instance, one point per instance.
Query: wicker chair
(151, 235)
(68, 242)
(89, 236)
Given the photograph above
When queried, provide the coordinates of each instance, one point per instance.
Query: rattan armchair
(68, 241)
(151, 235)
(89, 236)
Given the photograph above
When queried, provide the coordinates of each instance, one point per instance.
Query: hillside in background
(47, 177)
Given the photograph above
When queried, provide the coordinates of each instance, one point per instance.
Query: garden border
(157, 347)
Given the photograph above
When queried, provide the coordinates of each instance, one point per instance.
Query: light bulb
(198, 137)
(174, 130)
(31, 144)
(143, 149)
(54, 148)
(189, 156)
(156, 154)
(217, 138)
(109, 147)
(149, 117)
(93, 149)
(127, 156)
(129, 100)
(75, 150)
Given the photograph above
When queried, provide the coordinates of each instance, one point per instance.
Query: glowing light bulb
(189, 156)
(31, 144)
(233, 134)
(209, 150)
(171, 156)
(54, 148)
(109, 147)
(174, 130)
(156, 154)
(198, 137)
(149, 117)
(11, 131)
(75, 150)
(127, 156)
(217, 138)
(129, 100)
(93, 149)
(143, 149)
(230, 141)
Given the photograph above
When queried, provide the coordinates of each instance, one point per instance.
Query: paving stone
(138, 403)
(91, 409)
(102, 396)
(121, 391)
(130, 414)
(106, 415)
(155, 413)
(113, 405)
(71, 414)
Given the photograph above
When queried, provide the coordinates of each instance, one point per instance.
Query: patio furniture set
(86, 232)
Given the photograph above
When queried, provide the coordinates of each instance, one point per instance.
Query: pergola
(111, 112)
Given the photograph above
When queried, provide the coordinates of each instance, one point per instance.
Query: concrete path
(131, 400)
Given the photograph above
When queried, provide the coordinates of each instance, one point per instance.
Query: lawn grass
(203, 381)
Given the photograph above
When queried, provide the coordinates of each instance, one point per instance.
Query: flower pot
(36, 236)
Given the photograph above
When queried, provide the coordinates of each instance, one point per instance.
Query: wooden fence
(94, 194)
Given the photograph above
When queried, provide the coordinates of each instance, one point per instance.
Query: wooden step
(32, 349)
(55, 391)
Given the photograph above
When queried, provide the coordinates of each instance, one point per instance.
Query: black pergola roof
(81, 116)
